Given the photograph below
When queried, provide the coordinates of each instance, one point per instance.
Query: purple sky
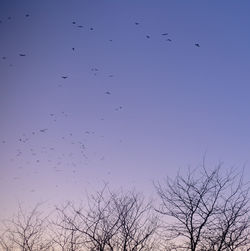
(132, 109)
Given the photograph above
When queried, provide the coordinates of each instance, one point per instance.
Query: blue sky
(132, 109)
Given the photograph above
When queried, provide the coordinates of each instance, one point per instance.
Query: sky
(123, 92)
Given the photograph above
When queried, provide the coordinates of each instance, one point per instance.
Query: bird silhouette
(43, 130)
(169, 40)
(73, 22)
(64, 77)
(136, 23)
(22, 55)
(27, 15)
(107, 92)
(118, 108)
(164, 34)
(91, 29)
(197, 45)
(147, 36)
(79, 26)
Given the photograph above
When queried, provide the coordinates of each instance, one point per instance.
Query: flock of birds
(56, 159)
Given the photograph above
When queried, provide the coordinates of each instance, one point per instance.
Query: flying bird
(73, 22)
(80, 26)
(169, 40)
(136, 23)
(107, 92)
(73, 48)
(64, 77)
(197, 45)
(147, 36)
(43, 130)
(27, 15)
(118, 108)
(164, 34)
(22, 55)
(91, 29)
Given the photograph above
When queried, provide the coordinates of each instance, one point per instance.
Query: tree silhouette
(26, 231)
(203, 210)
(112, 221)
(206, 210)
(63, 236)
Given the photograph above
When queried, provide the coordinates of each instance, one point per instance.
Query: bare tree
(112, 221)
(137, 224)
(206, 210)
(25, 232)
(5, 244)
(63, 234)
(95, 224)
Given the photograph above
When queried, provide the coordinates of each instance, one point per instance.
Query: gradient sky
(132, 109)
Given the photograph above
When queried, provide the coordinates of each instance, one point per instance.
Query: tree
(112, 221)
(4, 243)
(63, 234)
(25, 232)
(208, 210)
(137, 224)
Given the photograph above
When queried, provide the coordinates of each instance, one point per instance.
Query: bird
(107, 92)
(73, 22)
(91, 29)
(43, 130)
(164, 34)
(22, 55)
(118, 108)
(197, 45)
(79, 26)
(27, 15)
(73, 48)
(64, 77)
(169, 40)
(136, 23)
(147, 36)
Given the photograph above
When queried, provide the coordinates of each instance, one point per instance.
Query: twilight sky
(117, 91)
